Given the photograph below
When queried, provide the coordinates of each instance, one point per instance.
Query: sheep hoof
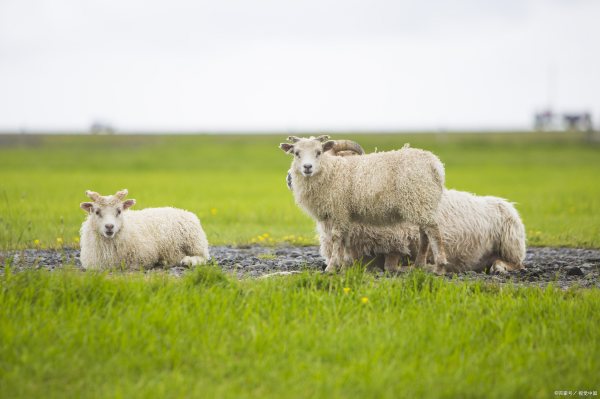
(435, 269)
(499, 267)
(331, 268)
(393, 269)
(192, 261)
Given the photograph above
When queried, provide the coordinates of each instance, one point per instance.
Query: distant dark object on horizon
(99, 127)
(550, 121)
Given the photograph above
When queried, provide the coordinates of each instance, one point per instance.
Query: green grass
(71, 334)
(236, 183)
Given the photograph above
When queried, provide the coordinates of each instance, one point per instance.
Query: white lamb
(378, 189)
(113, 236)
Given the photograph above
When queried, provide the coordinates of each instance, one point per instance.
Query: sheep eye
(118, 212)
(98, 212)
(318, 153)
(297, 153)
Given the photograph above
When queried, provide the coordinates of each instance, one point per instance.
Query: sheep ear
(86, 206)
(286, 147)
(328, 145)
(293, 139)
(128, 204)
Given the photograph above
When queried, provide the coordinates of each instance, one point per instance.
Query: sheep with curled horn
(480, 233)
(379, 189)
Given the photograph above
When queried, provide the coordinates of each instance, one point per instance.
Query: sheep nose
(307, 166)
(109, 226)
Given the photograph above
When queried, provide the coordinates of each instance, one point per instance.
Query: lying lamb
(379, 189)
(114, 236)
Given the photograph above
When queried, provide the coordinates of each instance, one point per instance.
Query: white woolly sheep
(382, 189)
(113, 236)
(478, 233)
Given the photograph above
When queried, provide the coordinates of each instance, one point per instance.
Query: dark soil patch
(565, 267)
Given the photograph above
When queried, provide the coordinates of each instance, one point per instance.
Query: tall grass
(72, 334)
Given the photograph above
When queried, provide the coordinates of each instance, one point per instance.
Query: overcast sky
(294, 65)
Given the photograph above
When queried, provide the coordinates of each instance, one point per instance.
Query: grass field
(73, 334)
(68, 334)
(236, 183)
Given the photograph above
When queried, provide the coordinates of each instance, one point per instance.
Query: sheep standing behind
(478, 232)
(377, 189)
(113, 236)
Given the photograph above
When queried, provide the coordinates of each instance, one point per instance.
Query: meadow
(236, 183)
(68, 333)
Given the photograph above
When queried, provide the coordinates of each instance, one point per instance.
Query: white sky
(295, 65)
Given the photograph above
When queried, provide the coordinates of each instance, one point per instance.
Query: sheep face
(307, 154)
(105, 212)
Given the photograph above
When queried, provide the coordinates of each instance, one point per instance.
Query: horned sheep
(114, 236)
(376, 189)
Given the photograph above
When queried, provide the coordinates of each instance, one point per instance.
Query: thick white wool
(378, 189)
(477, 231)
(148, 237)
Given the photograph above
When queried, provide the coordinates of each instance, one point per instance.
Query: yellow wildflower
(346, 290)
(36, 243)
(59, 240)
(364, 299)
(213, 211)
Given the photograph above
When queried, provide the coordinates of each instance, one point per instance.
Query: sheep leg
(421, 259)
(432, 232)
(334, 263)
(335, 258)
(392, 260)
(350, 255)
(337, 251)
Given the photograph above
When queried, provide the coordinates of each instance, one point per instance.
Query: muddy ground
(564, 267)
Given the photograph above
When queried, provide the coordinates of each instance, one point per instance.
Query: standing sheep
(489, 234)
(113, 236)
(377, 189)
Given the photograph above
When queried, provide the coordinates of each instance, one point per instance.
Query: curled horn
(94, 196)
(293, 139)
(347, 145)
(122, 194)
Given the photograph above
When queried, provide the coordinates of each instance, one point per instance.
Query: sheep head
(307, 153)
(342, 148)
(105, 212)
